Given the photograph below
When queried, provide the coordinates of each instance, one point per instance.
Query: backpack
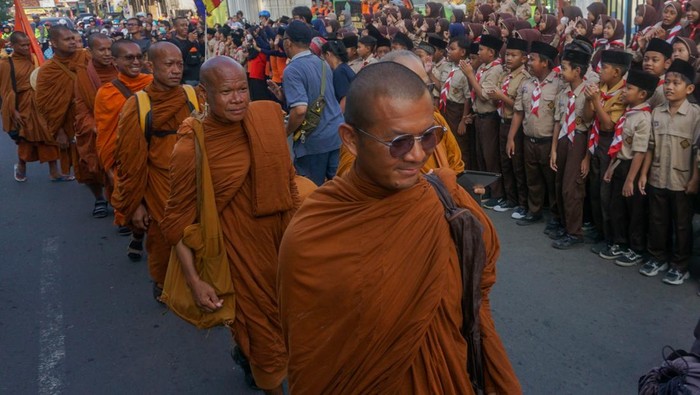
(679, 374)
(143, 103)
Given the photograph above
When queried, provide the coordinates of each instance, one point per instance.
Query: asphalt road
(77, 317)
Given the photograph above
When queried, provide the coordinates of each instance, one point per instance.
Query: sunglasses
(131, 58)
(403, 144)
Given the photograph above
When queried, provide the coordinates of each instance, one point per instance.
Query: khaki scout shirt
(672, 142)
(459, 86)
(441, 70)
(541, 125)
(519, 76)
(658, 98)
(635, 133)
(356, 64)
(613, 106)
(489, 81)
(583, 124)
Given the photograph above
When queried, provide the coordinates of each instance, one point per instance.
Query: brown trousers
(487, 150)
(670, 213)
(513, 169)
(570, 186)
(453, 114)
(627, 214)
(540, 177)
(599, 190)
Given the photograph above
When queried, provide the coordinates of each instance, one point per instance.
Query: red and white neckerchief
(445, 90)
(569, 126)
(662, 80)
(480, 73)
(616, 144)
(595, 131)
(504, 89)
(599, 42)
(536, 94)
(694, 31)
(672, 33)
(634, 45)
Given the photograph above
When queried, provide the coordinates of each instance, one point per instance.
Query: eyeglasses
(131, 58)
(403, 144)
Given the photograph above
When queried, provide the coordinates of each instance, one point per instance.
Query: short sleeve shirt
(658, 98)
(582, 122)
(614, 106)
(459, 85)
(542, 124)
(635, 134)
(490, 76)
(441, 70)
(517, 78)
(342, 77)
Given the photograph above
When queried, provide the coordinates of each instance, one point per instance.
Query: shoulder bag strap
(323, 79)
(13, 77)
(122, 88)
(65, 69)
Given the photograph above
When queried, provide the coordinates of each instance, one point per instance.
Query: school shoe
(587, 226)
(504, 206)
(557, 233)
(566, 242)
(675, 277)
(629, 258)
(600, 247)
(652, 267)
(493, 202)
(552, 225)
(612, 252)
(519, 213)
(529, 219)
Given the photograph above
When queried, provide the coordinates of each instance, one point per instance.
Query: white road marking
(52, 347)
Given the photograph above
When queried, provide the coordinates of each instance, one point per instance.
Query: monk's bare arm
(204, 295)
(296, 117)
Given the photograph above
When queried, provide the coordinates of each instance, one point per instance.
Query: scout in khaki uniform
(454, 102)
(569, 157)
(606, 106)
(512, 164)
(354, 59)
(657, 58)
(670, 175)
(484, 82)
(534, 110)
(441, 67)
(365, 50)
(627, 152)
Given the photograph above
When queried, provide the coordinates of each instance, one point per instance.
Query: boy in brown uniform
(454, 102)
(534, 110)
(484, 82)
(512, 162)
(606, 106)
(569, 157)
(627, 152)
(441, 67)
(657, 58)
(670, 174)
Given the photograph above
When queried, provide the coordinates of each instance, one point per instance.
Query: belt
(538, 140)
(487, 114)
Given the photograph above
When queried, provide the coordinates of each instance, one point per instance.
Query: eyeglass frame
(390, 143)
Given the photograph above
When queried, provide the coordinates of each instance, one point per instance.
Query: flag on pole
(201, 9)
(217, 12)
(22, 25)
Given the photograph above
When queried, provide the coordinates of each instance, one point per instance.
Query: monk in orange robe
(98, 71)
(19, 113)
(143, 160)
(55, 94)
(382, 313)
(446, 154)
(108, 103)
(256, 195)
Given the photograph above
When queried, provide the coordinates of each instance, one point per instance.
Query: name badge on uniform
(685, 143)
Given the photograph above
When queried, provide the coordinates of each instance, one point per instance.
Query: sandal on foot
(100, 210)
(63, 178)
(124, 231)
(135, 250)
(157, 293)
(19, 176)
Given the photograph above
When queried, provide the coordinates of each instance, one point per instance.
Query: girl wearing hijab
(548, 28)
(613, 34)
(539, 11)
(595, 10)
(585, 28)
(457, 16)
(644, 19)
(507, 27)
(529, 35)
(482, 13)
(442, 27)
(346, 21)
(670, 25)
(474, 31)
(692, 13)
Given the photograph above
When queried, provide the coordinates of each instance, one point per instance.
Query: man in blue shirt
(316, 157)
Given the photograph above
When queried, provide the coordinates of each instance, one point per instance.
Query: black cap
(618, 58)
(682, 67)
(403, 40)
(542, 48)
(350, 41)
(516, 43)
(299, 32)
(660, 46)
(436, 41)
(474, 48)
(367, 40)
(492, 42)
(642, 80)
(211, 31)
(577, 57)
(383, 42)
(426, 47)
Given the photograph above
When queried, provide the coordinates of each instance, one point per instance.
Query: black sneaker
(613, 252)
(529, 219)
(493, 202)
(557, 233)
(504, 206)
(519, 213)
(587, 226)
(566, 242)
(629, 258)
(552, 225)
(600, 247)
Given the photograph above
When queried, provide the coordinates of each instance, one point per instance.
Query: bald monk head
(100, 46)
(387, 107)
(165, 60)
(127, 57)
(20, 43)
(409, 60)
(226, 86)
(63, 41)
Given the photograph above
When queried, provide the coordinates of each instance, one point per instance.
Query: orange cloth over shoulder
(446, 154)
(108, 104)
(256, 195)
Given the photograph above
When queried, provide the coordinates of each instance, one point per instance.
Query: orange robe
(55, 100)
(88, 81)
(143, 167)
(35, 143)
(256, 195)
(380, 314)
(446, 154)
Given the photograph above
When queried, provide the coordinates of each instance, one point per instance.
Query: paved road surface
(77, 317)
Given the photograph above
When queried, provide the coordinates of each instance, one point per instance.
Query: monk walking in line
(19, 113)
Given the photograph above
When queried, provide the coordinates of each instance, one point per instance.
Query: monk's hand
(62, 139)
(205, 296)
(141, 220)
(17, 119)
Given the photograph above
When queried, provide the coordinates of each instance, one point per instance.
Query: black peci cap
(492, 42)
(516, 43)
(642, 79)
(436, 41)
(577, 57)
(683, 68)
(542, 48)
(660, 46)
(616, 57)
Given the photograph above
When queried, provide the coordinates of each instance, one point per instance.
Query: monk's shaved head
(410, 60)
(380, 80)
(127, 57)
(96, 37)
(166, 63)
(226, 85)
(120, 46)
(17, 37)
(162, 48)
(57, 31)
(213, 69)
